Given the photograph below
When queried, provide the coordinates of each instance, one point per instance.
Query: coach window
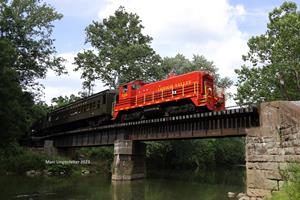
(98, 104)
(104, 99)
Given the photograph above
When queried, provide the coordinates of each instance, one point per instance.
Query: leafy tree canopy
(180, 65)
(27, 52)
(12, 113)
(61, 101)
(272, 65)
(27, 24)
(121, 52)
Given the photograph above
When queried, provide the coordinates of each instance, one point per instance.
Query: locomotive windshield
(136, 86)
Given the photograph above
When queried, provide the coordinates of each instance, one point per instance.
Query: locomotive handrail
(153, 96)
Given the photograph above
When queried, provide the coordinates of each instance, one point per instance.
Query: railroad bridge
(272, 132)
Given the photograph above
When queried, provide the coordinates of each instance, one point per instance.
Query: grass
(291, 187)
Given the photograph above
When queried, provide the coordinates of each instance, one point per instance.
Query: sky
(217, 29)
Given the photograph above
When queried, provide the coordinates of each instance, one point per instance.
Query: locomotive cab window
(116, 98)
(125, 89)
(136, 86)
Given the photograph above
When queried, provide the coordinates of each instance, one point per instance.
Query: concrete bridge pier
(51, 150)
(129, 160)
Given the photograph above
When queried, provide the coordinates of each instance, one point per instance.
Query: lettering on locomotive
(176, 85)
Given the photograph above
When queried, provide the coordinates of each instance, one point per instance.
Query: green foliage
(12, 110)
(59, 169)
(292, 178)
(102, 154)
(26, 54)
(38, 110)
(61, 101)
(17, 109)
(279, 196)
(195, 153)
(180, 65)
(275, 60)
(27, 24)
(16, 159)
(121, 52)
(98, 153)
(291, 187)
(230, 151)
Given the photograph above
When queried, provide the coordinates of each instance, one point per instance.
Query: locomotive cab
(126, 91)
(214, 100)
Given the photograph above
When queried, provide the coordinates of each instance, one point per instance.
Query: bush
(17, 159)
(61, 169)
(292, 181)
(291, 187)
(104, 156)
(195, 153)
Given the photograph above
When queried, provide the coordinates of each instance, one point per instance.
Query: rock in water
(240, 195)
(231, 194)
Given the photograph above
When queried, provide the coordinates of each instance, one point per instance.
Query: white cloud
(208, 28)
(65, 85)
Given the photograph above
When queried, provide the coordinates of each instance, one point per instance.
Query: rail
(232, 122)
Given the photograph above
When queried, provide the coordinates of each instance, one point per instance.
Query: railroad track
(231, 122)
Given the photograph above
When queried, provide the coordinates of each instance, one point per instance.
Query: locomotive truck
(178, 94)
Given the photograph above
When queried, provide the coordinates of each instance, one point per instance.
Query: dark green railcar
(90, 111)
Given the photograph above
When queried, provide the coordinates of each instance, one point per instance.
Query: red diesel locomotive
(191, 92)
(187, 93)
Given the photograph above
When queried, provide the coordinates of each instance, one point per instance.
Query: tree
(12, 114)
(180, 65)
(27, 52)
(121, 52)
(61, 101)
(275, 60)
(27, 24)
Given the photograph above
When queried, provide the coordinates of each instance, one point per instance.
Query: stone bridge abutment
(272, 146)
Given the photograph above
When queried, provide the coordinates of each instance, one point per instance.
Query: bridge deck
(200, 125)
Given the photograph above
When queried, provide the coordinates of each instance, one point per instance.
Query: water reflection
(210, 184)
(128, 190)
